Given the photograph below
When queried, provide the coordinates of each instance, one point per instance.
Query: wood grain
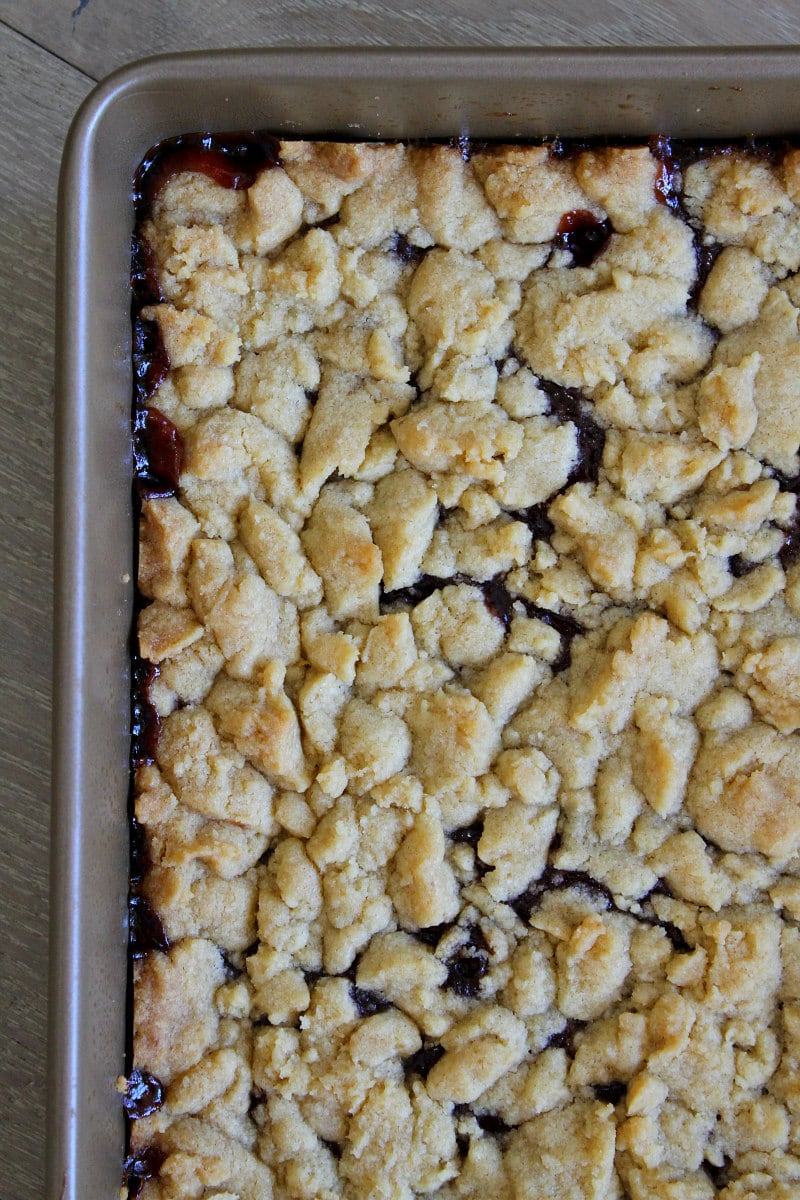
(38, 95)
(103, 34)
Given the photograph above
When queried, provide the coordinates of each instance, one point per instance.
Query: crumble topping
(470, 790)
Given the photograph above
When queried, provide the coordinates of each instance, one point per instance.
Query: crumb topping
(471, 825)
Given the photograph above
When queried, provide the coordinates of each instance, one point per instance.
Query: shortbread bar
(467, 697)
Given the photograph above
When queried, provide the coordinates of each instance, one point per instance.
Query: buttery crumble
(473, 816)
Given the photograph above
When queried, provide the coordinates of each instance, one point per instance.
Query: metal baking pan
(348, 93)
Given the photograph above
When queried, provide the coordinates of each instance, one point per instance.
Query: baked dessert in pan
(467, 775)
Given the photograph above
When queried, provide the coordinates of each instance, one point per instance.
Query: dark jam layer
(537, 520)
(367, 1002)
(406, 251)
(790, 550)
(468, 965)
(554, 880)
(422, 1061)
(145, 286)
(150, 360)
(158, 452)
(232, 160)
(669, 180)
(147, 931)
(145, 721)
(570, 405)
(583, 235)
(789, 553)
(719, 1176)
(610, 1093)
(144, 1095)
(144, 1164)
(565, 1038)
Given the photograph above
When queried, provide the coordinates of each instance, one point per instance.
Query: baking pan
(352, 94)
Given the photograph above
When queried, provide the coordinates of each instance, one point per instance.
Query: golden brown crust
(474, 818)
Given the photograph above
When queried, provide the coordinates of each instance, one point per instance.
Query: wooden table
(51, 57)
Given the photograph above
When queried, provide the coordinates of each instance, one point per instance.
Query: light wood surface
(51, 51)
(38, 94)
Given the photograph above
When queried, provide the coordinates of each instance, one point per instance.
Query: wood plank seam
(32, 42)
